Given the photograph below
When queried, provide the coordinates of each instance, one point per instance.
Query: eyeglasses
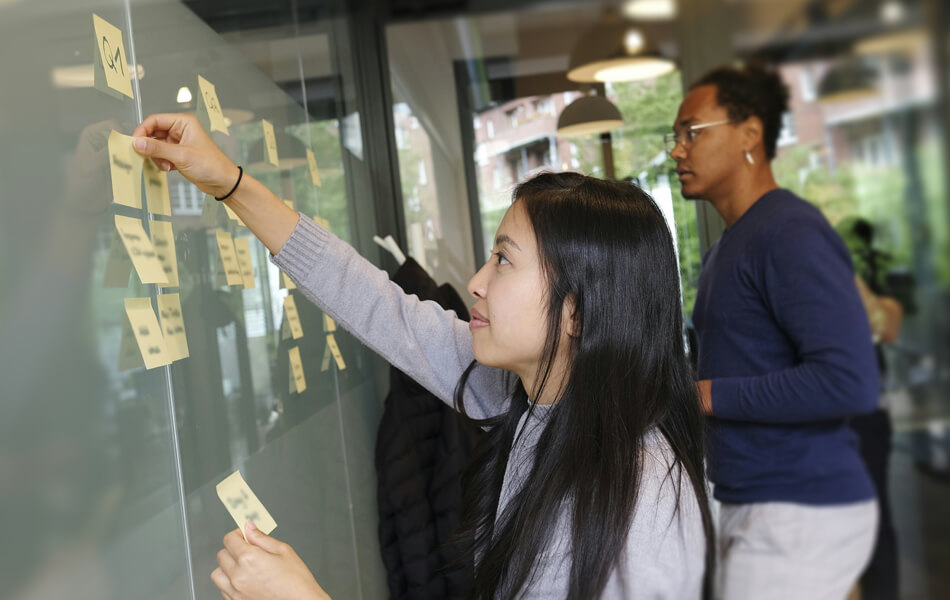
(688, 136)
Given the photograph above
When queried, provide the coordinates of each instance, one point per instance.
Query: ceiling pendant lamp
(616, 50)
(650, 10)
(588, 115)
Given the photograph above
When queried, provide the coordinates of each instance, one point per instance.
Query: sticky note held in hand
(243, 505)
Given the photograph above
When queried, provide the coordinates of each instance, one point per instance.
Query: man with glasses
(785, 355)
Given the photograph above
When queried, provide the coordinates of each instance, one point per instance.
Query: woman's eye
(501, 259)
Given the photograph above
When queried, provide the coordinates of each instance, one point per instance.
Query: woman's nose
(476, 286)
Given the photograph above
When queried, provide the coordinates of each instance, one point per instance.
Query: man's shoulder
(785, 206)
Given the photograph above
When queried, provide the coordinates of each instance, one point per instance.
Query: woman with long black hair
(590, 483)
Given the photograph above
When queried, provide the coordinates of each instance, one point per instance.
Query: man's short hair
(753, 90)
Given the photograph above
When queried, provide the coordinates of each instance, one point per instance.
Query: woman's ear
(570, 319)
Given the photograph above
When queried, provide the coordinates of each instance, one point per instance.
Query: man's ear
(752, 132)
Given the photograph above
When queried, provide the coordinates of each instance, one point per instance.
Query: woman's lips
(478, 321)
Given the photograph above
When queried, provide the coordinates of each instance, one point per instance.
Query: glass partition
(109, 468)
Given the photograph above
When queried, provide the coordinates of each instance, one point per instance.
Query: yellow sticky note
(322, 222)
(163, 239)
(118, 265)
(314, 172)
(285, 329)
(156, 189)
(329, 325)
(293, 382)
(326, 359)
(209, 211)
(147, 332)
(140, 249)
(287, 282)
(130, 357)
(296, 368)
(110, 56)
(229, 262)
(243, 504)
(290, 312)
(243, 250)
(212, 106)
(270, 143)
(126, 167)
(289, 203)
(335, 350)
(173, 326)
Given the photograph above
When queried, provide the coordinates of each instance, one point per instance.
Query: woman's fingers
(162, 123)
(169, 152)
(262, 540)
(235, 544)
(226, 562)
(222, 582)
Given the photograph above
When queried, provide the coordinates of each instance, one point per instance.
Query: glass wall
(109, 467)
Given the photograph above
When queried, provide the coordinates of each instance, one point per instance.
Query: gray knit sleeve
(431, 345)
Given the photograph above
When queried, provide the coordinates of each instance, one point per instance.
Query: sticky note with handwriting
(125, 165)
(211, 105)
(296, 369)
(147, 332)
(243, 249)
(173, 325)
(229, 262)
(140, 249)
(293, 317)
(156, 189)
(270, 143)
(329, 325)
(243, 504)
(110, 60)
(163, 240)
(335, 350)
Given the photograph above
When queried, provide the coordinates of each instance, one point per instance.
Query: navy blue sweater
(784, 338)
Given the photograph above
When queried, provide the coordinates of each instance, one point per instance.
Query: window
(423, 179)
(544, 107)
(807, 83)
(787, 135)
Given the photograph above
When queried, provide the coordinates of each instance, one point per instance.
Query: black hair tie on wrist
(228, 195)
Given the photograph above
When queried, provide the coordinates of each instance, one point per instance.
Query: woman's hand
(263, 568)
(177, 141)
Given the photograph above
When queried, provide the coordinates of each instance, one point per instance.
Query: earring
(748, 157)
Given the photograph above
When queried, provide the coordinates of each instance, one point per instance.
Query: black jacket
(421, 450)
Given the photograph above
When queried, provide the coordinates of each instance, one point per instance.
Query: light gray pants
(783, 551)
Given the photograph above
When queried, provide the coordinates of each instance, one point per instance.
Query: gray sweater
(664, 553)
